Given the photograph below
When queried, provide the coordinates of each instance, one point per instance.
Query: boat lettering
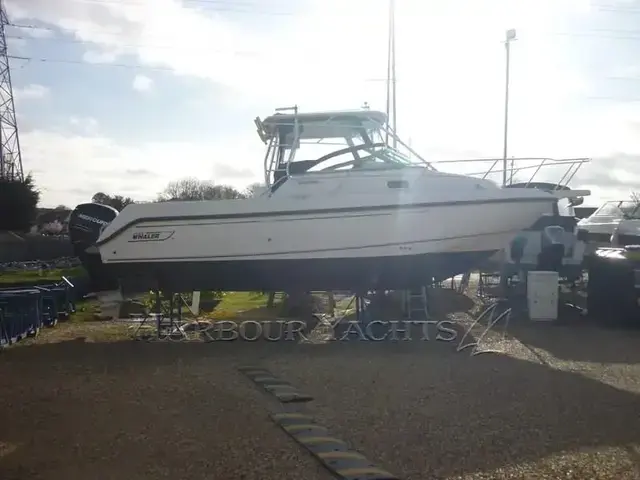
(92, 219)
(150, 236)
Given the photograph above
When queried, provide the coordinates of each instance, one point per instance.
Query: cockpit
(328, 142)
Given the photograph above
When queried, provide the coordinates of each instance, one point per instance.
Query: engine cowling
(86, 223)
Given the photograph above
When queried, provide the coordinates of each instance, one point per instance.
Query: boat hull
(349, 242)
(390, 266)
(371, 232)
(308, 274)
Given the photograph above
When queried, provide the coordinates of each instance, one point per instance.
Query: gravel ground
(556, 402)
(138, 411)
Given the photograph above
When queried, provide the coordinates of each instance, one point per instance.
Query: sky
(124, 96)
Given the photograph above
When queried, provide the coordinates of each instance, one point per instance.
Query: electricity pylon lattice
(10, 158)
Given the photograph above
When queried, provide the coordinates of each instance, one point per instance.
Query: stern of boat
(86, 223)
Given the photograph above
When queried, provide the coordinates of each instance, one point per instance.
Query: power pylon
(10, 158)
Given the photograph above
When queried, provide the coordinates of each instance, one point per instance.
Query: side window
(609, 209)
(628, 208)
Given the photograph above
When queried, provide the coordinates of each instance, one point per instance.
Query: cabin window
(398, 184)
(628, 208)
(609, 209)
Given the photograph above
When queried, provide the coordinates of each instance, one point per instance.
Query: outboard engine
(85, 225)
(552, 249)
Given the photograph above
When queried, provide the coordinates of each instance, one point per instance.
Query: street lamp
(510, 36)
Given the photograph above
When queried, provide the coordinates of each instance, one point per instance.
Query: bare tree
(119, 202)
(188, 189)
(254, 189)
(116, 201)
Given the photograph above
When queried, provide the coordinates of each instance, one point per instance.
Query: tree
(254, 189)
(116, 201)
(188, 189)
(100, 197)
(18, 204)
(119, 202)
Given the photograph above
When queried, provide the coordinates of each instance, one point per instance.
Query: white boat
(355, 214)
(615, 220)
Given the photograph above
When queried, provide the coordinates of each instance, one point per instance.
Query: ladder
(417, 304)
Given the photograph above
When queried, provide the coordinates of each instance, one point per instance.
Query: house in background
(52, 221)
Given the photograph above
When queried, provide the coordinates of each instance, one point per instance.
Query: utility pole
(10, 158)
(391, 74)
(511, 35)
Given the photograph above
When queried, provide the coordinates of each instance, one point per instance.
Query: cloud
(93, 163)
(84, 125)
(142, 172)
(31, 92)
(93, 56)
(227, 171)
(142, 83)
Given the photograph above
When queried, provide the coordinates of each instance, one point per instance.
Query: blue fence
(25, 310)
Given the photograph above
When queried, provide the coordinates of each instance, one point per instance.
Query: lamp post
(511, 35)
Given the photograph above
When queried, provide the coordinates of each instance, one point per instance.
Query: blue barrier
(21, 314)
(23, 311)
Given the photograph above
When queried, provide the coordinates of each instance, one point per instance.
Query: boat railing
(570, 166)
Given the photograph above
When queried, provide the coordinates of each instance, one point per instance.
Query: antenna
(284, 109)
(10, 158)
(391, 75)
(393, 69)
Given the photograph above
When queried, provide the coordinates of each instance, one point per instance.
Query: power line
(133, 45)
(593, 34)
(212, 5)
(81, 62)
(127, 65)
(248, 53)
(616, 9)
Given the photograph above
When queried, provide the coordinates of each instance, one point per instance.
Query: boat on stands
(342, 209)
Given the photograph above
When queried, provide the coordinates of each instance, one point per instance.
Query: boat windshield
(371, 156)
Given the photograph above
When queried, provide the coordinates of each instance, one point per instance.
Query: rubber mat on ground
(332, 452)
(281, 389)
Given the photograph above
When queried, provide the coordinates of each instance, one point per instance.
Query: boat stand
(414, 304)
(166, 314)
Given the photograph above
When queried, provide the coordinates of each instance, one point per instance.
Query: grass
(84, 324)
(29, 276)
(235, 304)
